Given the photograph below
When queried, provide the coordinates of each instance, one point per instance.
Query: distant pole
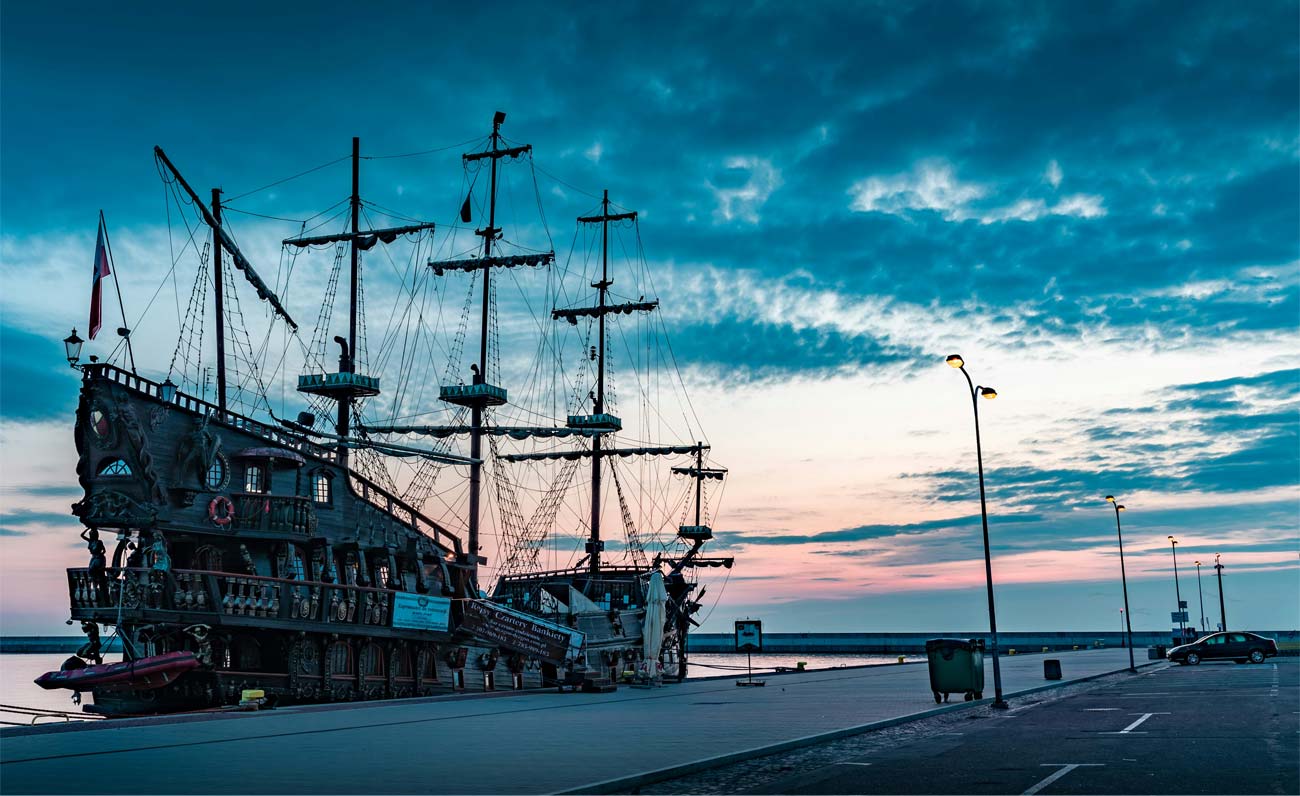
(1201, 591)
(1127, 642)
(1123, 579)
(1223, 614)
(1178, 594)
(956, 361)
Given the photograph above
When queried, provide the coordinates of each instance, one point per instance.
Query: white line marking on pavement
(1092, 710)
(1066, 768)
(1130, 728)
(851, 763)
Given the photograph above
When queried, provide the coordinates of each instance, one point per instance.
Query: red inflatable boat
(142, 674)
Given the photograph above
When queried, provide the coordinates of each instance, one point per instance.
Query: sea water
(17, 671)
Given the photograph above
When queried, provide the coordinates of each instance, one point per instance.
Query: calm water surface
(18, 671)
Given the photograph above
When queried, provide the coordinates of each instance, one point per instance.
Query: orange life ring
(221, 510)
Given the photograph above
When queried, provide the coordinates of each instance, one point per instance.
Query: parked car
(1234, 646)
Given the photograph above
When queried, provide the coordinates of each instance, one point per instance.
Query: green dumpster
(956, 667)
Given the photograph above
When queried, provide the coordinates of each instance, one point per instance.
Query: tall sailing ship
(340, 555)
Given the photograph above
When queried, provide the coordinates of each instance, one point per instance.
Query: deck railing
(230, 594)
(360, 485)
(280, 513)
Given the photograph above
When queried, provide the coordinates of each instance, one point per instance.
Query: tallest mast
(480, 393)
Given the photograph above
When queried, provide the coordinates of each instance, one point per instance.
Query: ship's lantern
(167, 391)
(72, 345)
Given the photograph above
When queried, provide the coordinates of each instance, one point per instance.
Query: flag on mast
(97, 283)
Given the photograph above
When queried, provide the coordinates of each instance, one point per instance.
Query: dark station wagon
(1234, 646)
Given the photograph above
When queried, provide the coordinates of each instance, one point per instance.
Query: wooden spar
(317, 240)
(237, 257)
(500, 431)
(659, 450)
(219, 283)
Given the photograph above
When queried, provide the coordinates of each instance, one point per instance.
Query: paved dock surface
(1215, 728)
(527, 743)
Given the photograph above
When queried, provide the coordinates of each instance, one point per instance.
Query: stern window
(321, 489)
(115, 468)
(254, 479)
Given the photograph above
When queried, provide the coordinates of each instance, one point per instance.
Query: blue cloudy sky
(1095, 203)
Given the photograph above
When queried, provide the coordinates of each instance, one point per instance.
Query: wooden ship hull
(294, 592)
(263, 551)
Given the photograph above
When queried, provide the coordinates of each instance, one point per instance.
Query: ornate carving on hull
(114, 509)
(196, 452)
(140, 446)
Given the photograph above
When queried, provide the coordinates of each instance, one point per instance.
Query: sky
(1095, 204)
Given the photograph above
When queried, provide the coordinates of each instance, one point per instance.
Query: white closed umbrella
(652, 633)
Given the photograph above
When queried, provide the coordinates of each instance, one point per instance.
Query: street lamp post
(1123, 579)
(1178, 593)
(956, 361)
(1200, 590)
(1223, 614)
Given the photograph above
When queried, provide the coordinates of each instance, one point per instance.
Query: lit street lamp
(1178, 594)
(1201, 591)
(1123, 579)
(956, 361)
(1223, 614)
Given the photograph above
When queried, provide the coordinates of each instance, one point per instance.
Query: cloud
(743, 201)
(1052, 176)
(35, 380)
(22, 521)
(932, 186)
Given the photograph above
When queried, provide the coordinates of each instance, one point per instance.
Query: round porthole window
(218, 473)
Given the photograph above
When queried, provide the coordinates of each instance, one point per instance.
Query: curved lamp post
(1178, 593)
(1123, 578)
(957, 362)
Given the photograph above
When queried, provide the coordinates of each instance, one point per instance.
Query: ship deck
(502, 742)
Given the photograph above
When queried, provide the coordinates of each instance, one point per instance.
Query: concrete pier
(508, 743)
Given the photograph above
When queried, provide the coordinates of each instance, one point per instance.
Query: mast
(594, 544)
(481, 393)
(221, 313)
(699, 480)
(347, 360)
(476, 412)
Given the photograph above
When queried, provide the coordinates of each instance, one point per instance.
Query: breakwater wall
(67, 644)
(911, 643)
(861, 643)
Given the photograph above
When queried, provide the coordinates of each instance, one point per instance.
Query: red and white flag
(97, 284)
